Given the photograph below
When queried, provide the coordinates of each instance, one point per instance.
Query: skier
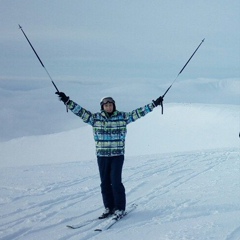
(109, 130)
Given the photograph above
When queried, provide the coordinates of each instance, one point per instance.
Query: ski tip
(98, 230)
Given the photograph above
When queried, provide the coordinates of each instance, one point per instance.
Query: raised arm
(79, 111)
(142, 111)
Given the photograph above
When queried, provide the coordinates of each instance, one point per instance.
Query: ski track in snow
(170, 190)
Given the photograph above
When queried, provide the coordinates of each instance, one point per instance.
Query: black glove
(158, 101)
(62, 97)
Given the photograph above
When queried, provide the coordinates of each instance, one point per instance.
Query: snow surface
(181, 168)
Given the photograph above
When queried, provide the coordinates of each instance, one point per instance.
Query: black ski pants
(112, 189)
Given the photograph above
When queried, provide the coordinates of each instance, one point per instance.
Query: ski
(88, 222)
(113, 220)
(83, 224)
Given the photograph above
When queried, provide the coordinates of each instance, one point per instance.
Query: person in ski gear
(109, 131)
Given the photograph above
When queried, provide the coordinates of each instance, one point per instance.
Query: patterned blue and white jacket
(109, 131)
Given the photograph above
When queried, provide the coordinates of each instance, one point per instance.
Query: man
(109, 130)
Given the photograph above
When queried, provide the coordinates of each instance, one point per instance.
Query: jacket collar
(106, 115)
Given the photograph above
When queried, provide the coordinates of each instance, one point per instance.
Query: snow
(181, 168)
(188, 195)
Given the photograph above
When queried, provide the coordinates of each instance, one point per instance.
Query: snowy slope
(182, 169)
(192, 195)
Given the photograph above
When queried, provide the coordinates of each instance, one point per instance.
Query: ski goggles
(107, 100)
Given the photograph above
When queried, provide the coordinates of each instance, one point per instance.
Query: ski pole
(182, 70)
(40, 60)
(38, 57)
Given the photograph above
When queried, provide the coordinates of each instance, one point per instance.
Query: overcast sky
(132, 39)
